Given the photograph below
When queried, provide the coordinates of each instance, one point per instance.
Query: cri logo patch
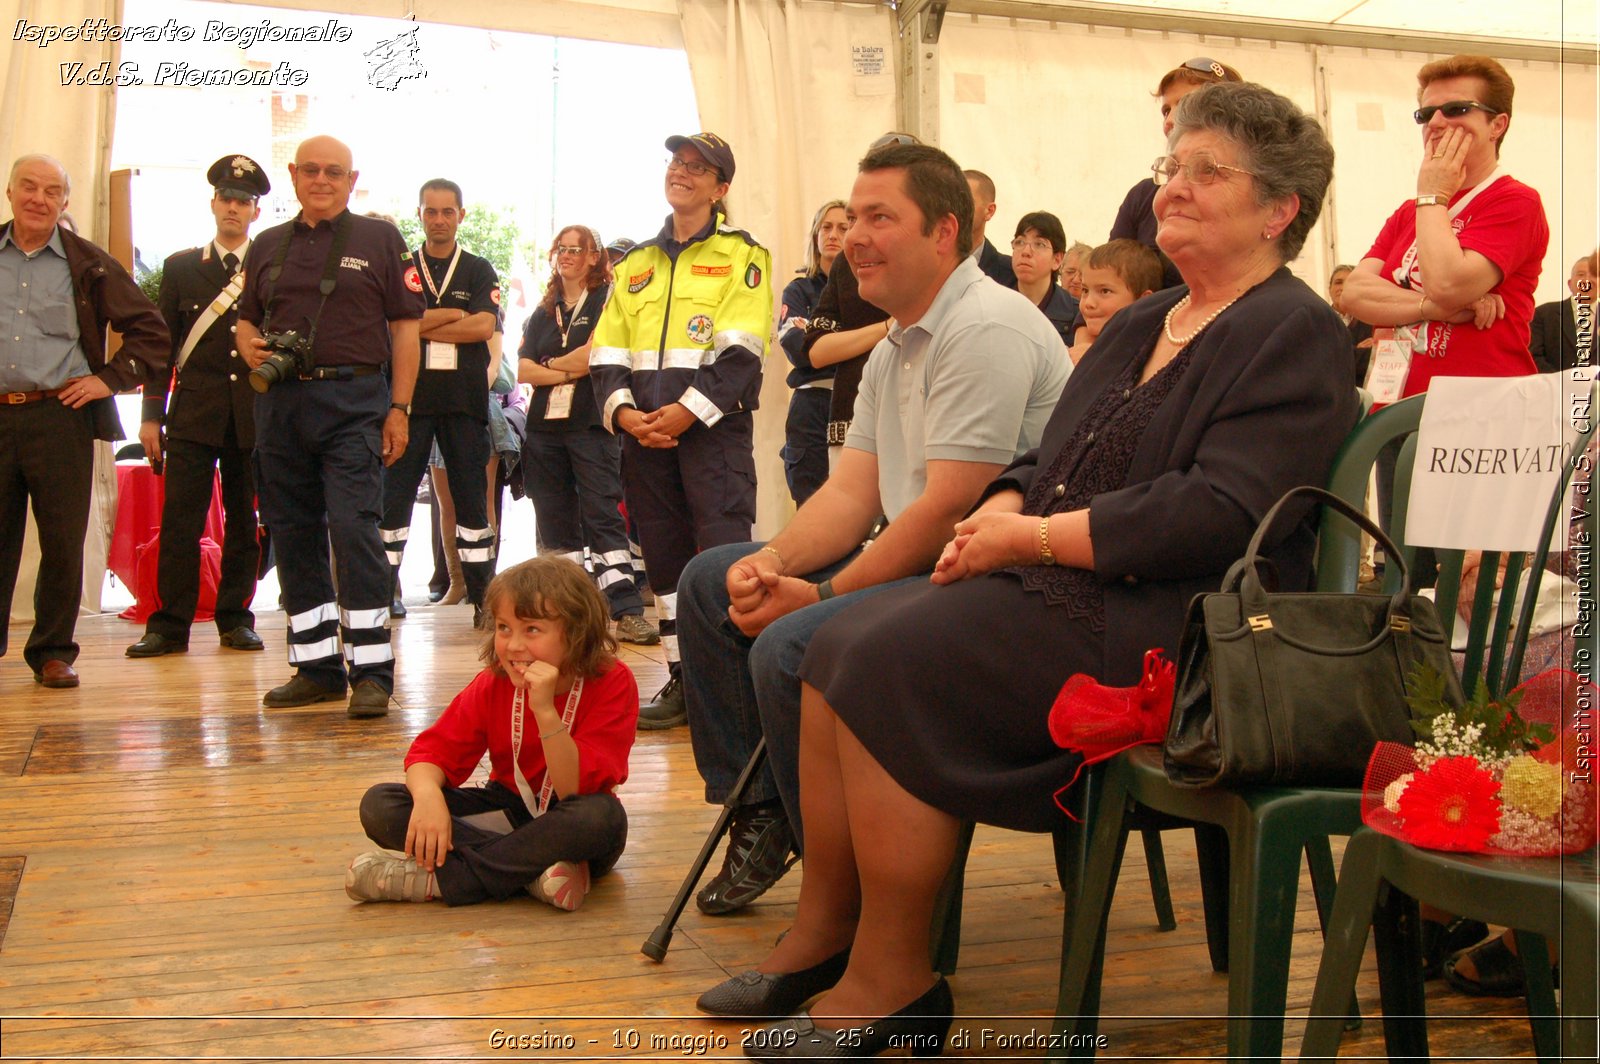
(413, 279)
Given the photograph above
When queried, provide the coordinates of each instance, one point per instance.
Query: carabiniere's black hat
(712, 147)
(238, 177)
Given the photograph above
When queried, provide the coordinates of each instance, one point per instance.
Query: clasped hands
(659, 428)
(759, 594)
(988, 541)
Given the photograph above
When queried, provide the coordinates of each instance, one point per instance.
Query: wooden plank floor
(171, 860)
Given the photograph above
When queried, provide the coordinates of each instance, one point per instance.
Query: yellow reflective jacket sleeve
(693, 331)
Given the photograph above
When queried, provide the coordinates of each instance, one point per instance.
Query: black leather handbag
(1295, 688)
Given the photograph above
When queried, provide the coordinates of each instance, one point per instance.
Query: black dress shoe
(301, 691)
(666, 710)
(760, 850)
(54, 673)
(921, 1027)
(243, 638)
(397, 608)
(154, 644)
(435, 596)
(755, 993)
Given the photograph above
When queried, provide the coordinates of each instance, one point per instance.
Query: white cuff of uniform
(700, 407)
(620, 397)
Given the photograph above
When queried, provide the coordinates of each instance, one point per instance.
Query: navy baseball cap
(713, 148)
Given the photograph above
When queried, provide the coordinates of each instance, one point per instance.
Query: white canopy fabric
(1052, 98)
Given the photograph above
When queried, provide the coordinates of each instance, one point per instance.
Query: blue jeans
(739, 689)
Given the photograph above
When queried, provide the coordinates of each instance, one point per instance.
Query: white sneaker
(564, 885)
(388, 875)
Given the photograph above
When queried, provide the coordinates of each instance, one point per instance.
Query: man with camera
(330, 300)
(58, 293)
(207, 422)
(451, 403)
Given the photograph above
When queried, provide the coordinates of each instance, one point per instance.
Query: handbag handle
(1249, 582)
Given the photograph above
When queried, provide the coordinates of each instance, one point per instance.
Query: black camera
(288, 355)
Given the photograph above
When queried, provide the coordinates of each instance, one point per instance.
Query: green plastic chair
(1541, 898)
(1070, 842)
(1261, 830)
(1555, 899)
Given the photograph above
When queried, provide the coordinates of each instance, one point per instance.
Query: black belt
(23, 398)
(340, 373)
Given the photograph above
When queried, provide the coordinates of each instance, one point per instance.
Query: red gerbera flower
(1454, 805)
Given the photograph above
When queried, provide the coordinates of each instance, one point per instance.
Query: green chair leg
(1211, 850)
(1155, 861)
(1544, 1019)
(1343, 943)
(945, 948)
(1265, 883)
(1397, 929)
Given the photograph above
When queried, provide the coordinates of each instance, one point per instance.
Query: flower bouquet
(1510, 776)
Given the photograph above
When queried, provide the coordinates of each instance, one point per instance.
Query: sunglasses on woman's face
(1453, 109)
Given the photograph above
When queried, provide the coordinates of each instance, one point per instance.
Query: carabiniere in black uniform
(209, 422)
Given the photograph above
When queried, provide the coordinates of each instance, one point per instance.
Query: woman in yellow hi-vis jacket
(676, 366)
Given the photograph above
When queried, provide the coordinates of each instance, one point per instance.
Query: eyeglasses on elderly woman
(1201, 169)
(1453, 109)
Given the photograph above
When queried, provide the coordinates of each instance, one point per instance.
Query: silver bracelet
(552, 733)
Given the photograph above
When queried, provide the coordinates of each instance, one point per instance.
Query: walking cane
(655, 947)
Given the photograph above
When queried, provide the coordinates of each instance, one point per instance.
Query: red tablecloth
(140, 494)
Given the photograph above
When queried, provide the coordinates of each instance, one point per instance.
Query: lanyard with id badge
(1394, 347)
(559, 404)
(439, 356)
(495, 821)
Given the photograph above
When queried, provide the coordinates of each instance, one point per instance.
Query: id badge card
(559, 405)
(1391, 364)
(441, 356)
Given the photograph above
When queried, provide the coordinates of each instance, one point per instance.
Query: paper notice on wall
(872, 73)
(1490, 451)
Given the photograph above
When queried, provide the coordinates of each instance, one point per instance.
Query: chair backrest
(1497, 633)
(1338, 541)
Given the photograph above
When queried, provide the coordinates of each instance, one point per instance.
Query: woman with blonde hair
(805, 447)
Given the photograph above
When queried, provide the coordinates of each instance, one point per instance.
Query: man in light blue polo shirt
(963, 383)
(58, 293)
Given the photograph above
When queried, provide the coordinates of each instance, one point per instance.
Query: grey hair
(40, 157)
(1282, 145)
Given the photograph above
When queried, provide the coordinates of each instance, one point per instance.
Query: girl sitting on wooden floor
(556, 712)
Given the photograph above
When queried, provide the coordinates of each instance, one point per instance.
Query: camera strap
(330, 273)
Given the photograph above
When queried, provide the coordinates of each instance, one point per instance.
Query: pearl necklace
(1184, 341)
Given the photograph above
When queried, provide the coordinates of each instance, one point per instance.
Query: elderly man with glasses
(331, 300)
